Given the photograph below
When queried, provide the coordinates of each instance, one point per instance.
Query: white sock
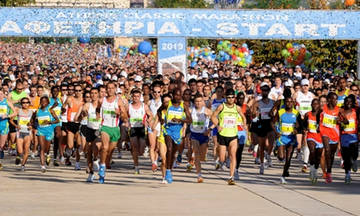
(256, 148)
(306, 154)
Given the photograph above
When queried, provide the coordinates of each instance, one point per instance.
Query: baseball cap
(305, 82)
(138, 78)
(263, 84)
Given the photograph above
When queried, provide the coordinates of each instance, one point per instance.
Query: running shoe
(154, 167)
(261, 171)
(146, 152)
(168, 176)
(354, 166)
(228, 163)
(347, 178)
(77, 166)
(231, 181)
(91, 178)
(43, 169)
(137, 171)
(175, 165)
(189, 167)
(22, 168)
(62, 160)
(304, 169)
(323, 176)
(179, 158)
(217, 165)
(2, 154)
(56, 163)
(163, 181)
(236, 175)
(67, 162)
(102, 174)
(13, 152)
(328, 178)
(269, 161)
(32, 155)
(17, 160)
(96, 165)
(48, 160)
(282, 180)
(200, 179)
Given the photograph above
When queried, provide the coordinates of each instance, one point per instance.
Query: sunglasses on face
(26, 102)
(158, 92)
(230, 97)
(78, 90)
(354, 89)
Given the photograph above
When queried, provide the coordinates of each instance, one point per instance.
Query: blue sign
(171, 55)
(246, 24)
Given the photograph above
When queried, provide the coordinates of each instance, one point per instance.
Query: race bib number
(3, 109)
(42, 119)
(265, 113)
(329, 121)
(229, 122)
(287, 129)
(312, 126)
(198, 126)
(351, 126)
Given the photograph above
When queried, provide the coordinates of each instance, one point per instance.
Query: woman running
(160, 118)
(5, 107)
(330, 120)
(44, 116)
(313, 138)
(24, 126)
(199, 136)
(349, 136)
(57, 127)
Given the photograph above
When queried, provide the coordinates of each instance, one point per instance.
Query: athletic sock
(306, 154)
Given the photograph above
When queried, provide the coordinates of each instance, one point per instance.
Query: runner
(349, 136)
(199, 132)
(34, 105)
(288, 119)
(110, 108)
(342, 91)
(264, 131)
(229, 114)
(177, 114)
(160, 118)
(313, 138)
(219, 99)
(330, 119)
(242, 131)
(24, 128)
(44, 116)
(73, 104)
(139, 116)
(154, 105)
(57, 127)
(5, 107)
(303, 99)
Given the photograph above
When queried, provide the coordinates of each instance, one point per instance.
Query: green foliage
(180, 4)
(273, 4)
(15, 3)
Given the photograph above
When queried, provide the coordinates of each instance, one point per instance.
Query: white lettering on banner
(85, 26)
(333, 28)
(172, 46)
(311, 29)
(154, 16)
(37, 27)
(243, 17)
(253, 27)
(227, 29)
(151, 27)
(131, 26)
(63, 28)
(278, 28)
(61, 15)
(169, 27)
(10, 26)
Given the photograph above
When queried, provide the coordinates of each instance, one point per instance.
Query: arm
(122, 111)
(242, 116)
(54, 116)
(342, 118)
(275, 120)
(15, 112)
(306, 123)
(188, 119)
(11, 120)
(151, 119)
(214, 116)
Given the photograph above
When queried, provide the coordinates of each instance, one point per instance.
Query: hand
(45, 122)
(219, 128)
(18, 127)
(176, 120)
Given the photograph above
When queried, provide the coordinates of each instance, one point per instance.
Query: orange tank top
(351, 128)
(328, 123)
(75, 106)
(312, 128)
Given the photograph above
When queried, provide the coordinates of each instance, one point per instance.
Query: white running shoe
(77, 166)
(90, 178)
(236, 175)
(22, 168)
(96, 165)
(32, 155)
(164, 181)
(146, 152)
(62, 160)
(282, 180)
(43, 169)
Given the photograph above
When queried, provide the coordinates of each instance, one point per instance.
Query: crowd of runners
(78, 103)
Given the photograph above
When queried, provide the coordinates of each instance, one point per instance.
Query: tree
(15, 3)
(180, 4)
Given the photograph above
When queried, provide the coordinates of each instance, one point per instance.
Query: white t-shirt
(275, 93)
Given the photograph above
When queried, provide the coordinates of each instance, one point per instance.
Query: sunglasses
(25, 103)
(230, 97)
(78, 90)
(354, 89)
(63, 89)
(158, 92)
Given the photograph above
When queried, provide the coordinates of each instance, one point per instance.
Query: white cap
(262, 75)
(215, 75)
(264, 84)
(305, 82)
(350, 80)
(247, 73)
(297, 66)
(316, 70)
(114, 78)
(327, 81)
(288, 83)
(124, 74)
(138, 78)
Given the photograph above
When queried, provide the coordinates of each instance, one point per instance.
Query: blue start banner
(246, 24)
